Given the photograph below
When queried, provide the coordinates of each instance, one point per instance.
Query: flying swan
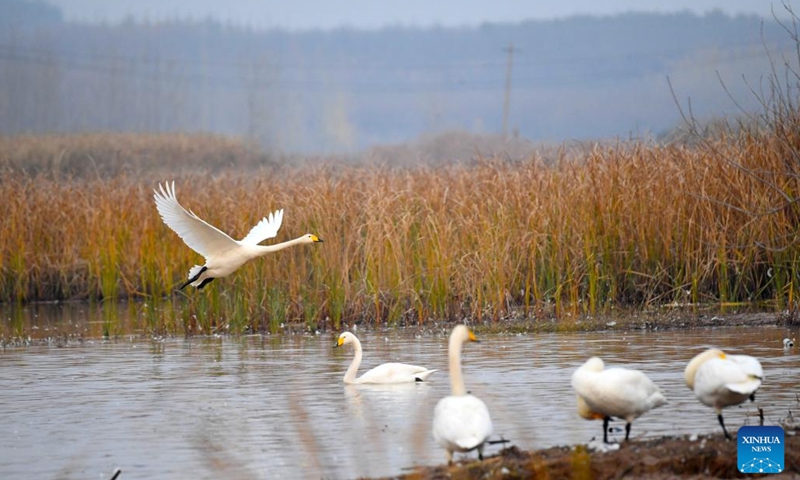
(720, 380)
(386, 373)
(461, 422)
(614, 392)
(222, 253)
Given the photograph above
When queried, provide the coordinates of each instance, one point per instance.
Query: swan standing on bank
(461, 422)
(386, 373)
(222, 253)
(720, 380)
(614, 392)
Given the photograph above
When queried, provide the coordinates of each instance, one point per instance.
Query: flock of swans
(461, 421)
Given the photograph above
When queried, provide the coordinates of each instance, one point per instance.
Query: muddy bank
(79, 325)
(665, 318)
(698, 457)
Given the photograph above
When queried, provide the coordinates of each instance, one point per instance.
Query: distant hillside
(345, 90)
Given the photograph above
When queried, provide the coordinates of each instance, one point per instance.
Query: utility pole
(507, 100)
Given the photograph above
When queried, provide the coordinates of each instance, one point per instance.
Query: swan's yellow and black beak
(472, 337)
(339, 342)
(315, 239)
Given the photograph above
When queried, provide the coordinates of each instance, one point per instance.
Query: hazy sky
(309, 14)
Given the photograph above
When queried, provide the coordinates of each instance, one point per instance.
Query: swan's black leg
(205, 282)
(721, 422)
(193, 278)
(627, 430)
(605, 429)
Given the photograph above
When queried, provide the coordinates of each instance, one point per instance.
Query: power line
(239, 75)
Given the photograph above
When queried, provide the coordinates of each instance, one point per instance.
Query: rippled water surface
(275, 406)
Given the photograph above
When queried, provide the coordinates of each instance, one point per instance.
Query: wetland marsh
(274, 406)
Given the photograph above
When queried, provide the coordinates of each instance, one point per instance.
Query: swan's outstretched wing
(267, 228)
(201, 237)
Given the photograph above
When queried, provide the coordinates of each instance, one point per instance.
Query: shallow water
(274, 406)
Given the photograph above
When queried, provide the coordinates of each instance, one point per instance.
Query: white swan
(222, 253)
(461, 422)
(614, 392)
(386, 373)
(720, 380)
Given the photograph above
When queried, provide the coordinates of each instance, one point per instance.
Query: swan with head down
(721, 380)
(618, 392)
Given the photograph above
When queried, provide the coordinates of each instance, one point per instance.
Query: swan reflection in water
(395, 418)
(391, 399)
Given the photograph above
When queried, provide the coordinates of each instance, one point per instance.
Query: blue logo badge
(760, 449)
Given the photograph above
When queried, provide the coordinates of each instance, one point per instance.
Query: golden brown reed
(620, 225)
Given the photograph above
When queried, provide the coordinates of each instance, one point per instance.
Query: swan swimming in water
(386, 373)
(222, 253)
(619, 392)
(720, 380)
(461, 422)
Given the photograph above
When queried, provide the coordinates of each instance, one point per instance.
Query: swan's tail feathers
(656, 400)
(748, 387)
(422, 376)
(194, 275)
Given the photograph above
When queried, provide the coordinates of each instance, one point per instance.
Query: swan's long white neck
(350, 374)
(457, 387)
(265, 249)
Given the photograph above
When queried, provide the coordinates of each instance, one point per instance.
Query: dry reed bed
(102, 155)
(628, 224)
